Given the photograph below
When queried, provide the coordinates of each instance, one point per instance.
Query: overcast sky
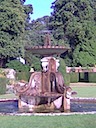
(40, 8)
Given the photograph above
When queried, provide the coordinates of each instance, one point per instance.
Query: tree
(75, 20)
(28, 9)
(35, 36)
(12, 24)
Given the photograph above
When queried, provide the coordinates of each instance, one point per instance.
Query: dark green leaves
(75, 20)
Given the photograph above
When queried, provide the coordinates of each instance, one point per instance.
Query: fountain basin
(77, 105)
(8, 106)
(83, 104)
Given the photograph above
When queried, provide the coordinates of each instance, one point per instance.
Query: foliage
(2, 73)
(74, 77)
(3, 81)
(89, 77)
(74, 22)
(36, 32)
(18, 66)
(33, 61)
(14, 15)
(62, 69)
(35, 36)
(23, 76)
(92, 77)
(12, 23)
(28, 9)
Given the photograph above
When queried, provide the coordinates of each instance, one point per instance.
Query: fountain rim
(49, 114)
(47, 50)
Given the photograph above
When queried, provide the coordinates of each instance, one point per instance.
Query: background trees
(74, 22)
(12, 27)
(35, 36)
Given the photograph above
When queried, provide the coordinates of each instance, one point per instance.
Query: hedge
(83, 77)
(92, 77)
(74, 77)
(3, 82)
(62, 69)
(23, 76)
(66, 79)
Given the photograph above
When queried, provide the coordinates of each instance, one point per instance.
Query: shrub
(23, 76)
(74, 77)
(33, 61)
(92, 77)
(62, 69)
(18, 66)
(3, 81)
(67, 79)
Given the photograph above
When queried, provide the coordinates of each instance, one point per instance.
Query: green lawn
(8, 96)
(72, 121)
(85, 91)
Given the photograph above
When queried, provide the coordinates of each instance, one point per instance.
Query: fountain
(46, 90)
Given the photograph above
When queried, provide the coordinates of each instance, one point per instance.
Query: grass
(72, 121)
(8, 96)
(85, 91)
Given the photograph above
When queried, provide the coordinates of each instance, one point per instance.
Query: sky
(40, 8)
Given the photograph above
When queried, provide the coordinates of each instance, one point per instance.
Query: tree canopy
(12, 26)
(74, 22)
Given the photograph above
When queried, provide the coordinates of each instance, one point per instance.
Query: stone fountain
(46, 90)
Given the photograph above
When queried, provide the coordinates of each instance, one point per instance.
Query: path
(82, 84)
